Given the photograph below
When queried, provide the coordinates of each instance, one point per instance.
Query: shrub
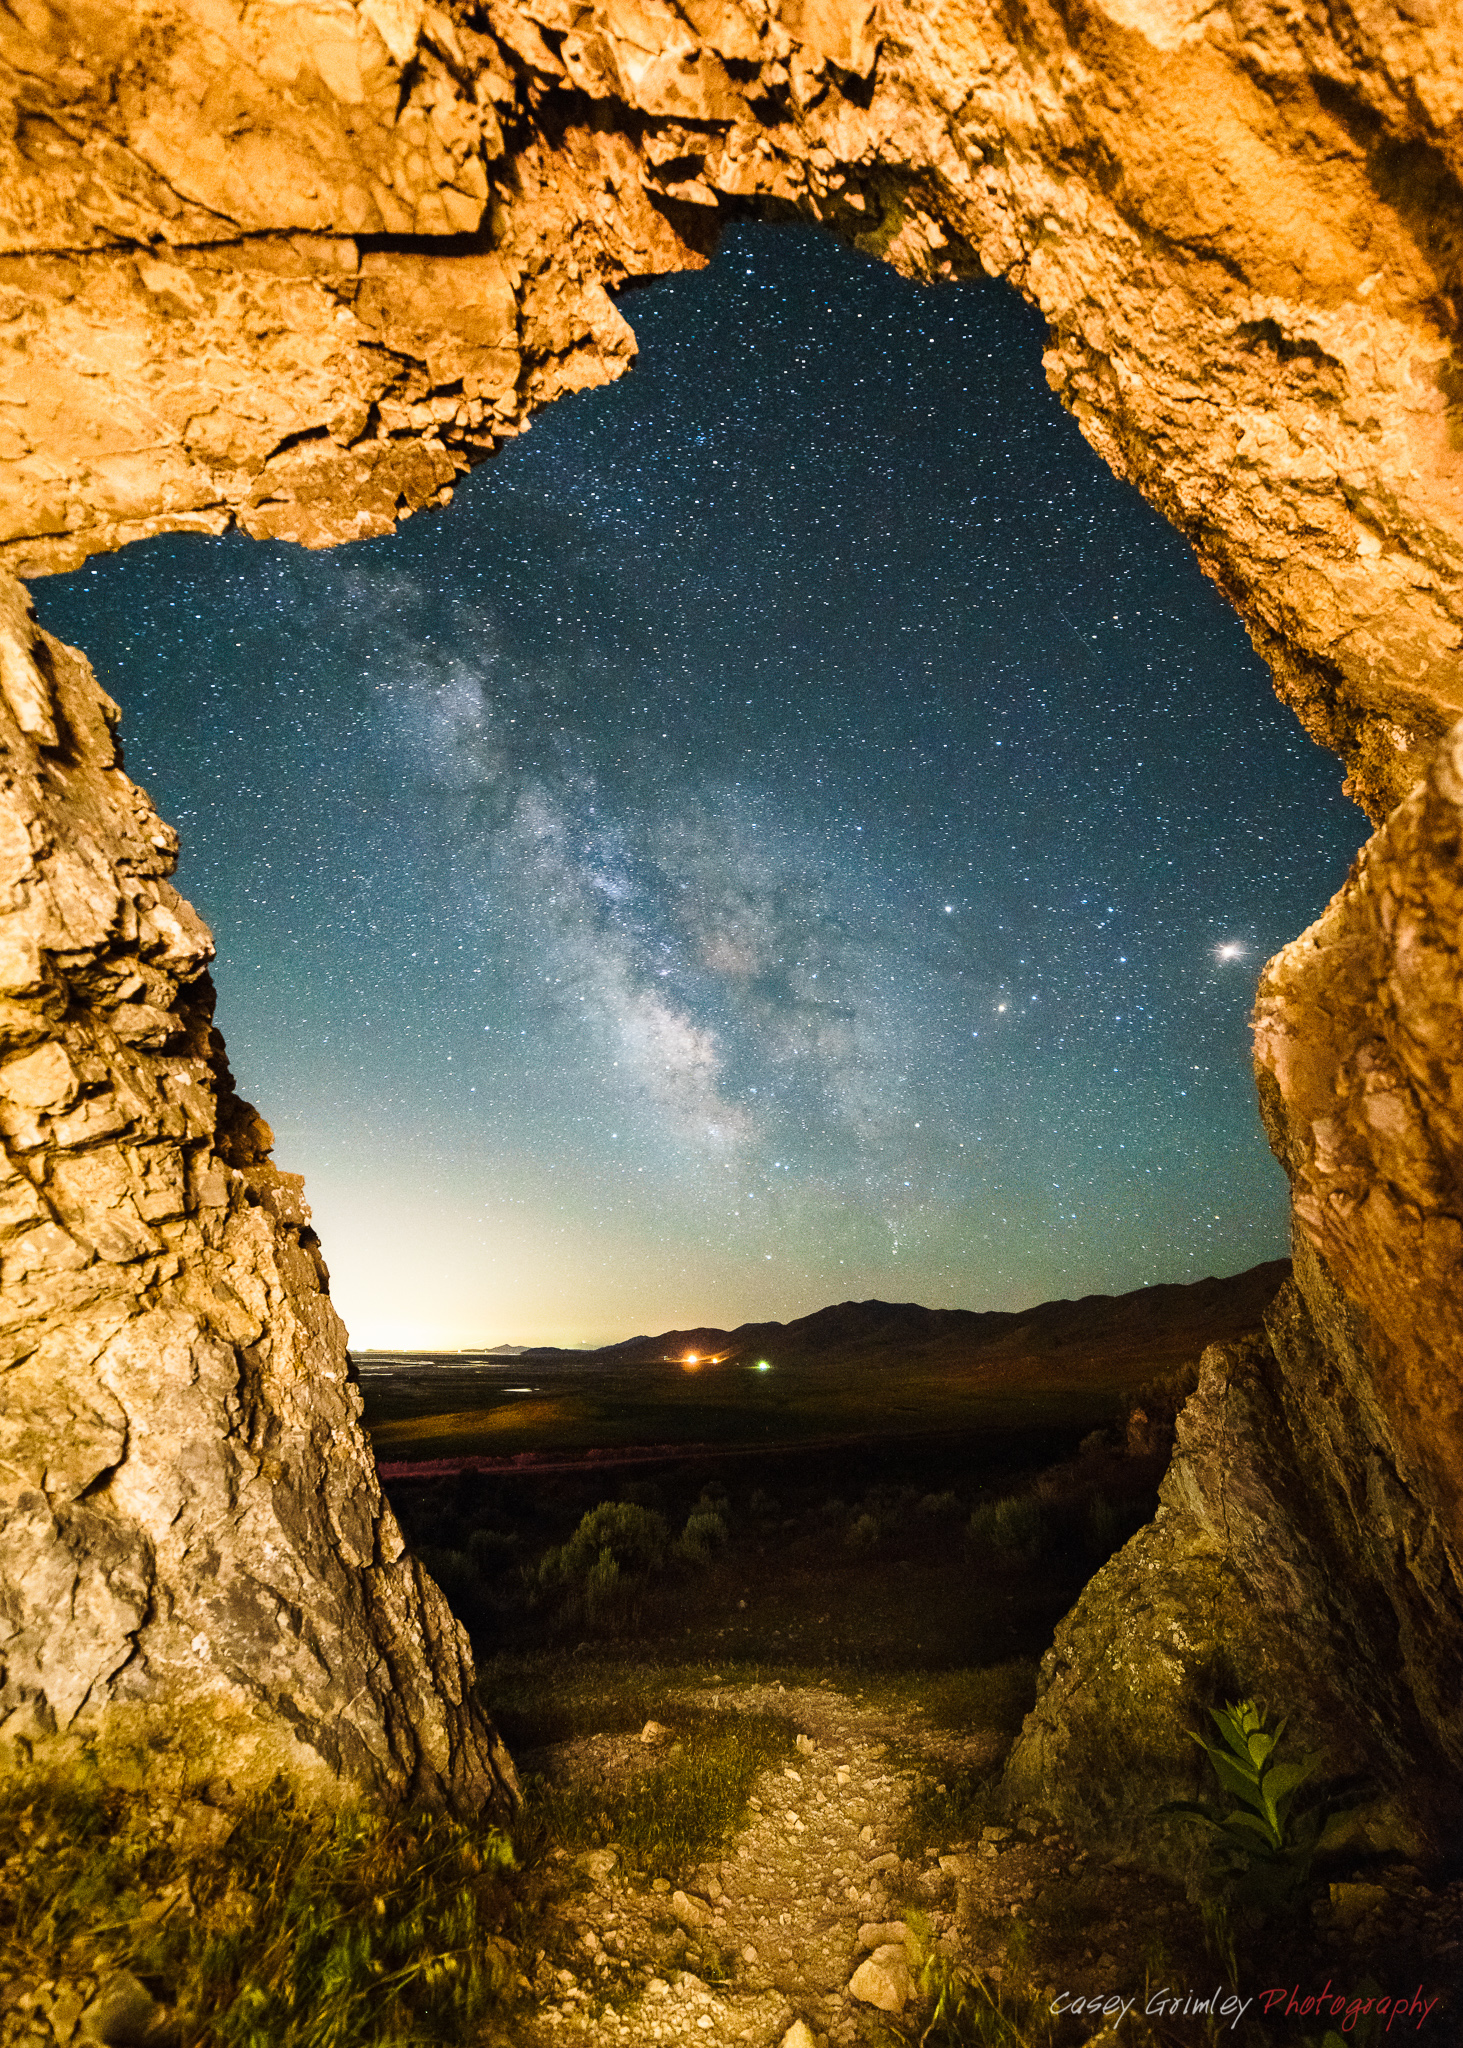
(1014, 1528)
(935, 1504)
(634, 1537)
(862, 1534)
(615, 1549)
(705, 1533)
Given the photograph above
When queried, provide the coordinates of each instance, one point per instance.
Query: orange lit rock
(1357, 1047)
(296, 269)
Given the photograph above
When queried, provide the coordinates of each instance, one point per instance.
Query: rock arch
(296, 267)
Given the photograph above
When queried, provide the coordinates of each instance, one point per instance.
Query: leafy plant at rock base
(1266, 1846)
(1362, 2029)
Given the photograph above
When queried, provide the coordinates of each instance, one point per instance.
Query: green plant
(1104, 1525)
(365, 1929)
(939, 1504)
(1266, 1844)
(337, 1928)
(616, 1548)
(1014, 1527)
(967, 2011)
(1363, 2027)
(705, 1533)
(664, 1819)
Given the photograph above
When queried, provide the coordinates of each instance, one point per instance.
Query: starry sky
(796, 829)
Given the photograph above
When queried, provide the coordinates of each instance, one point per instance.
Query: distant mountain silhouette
(1177, 1321)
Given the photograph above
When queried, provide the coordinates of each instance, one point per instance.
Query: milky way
(797, 828)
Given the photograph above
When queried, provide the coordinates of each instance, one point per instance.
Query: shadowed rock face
(297, 267)
(1295, 1558)
(199, 1571)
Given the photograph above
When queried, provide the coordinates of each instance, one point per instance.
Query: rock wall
(200, 1577)
(1295, 1559)
(299, 266)
(1359, 1055)
(1310, 1543)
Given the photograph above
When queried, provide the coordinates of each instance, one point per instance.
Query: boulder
(883, 1979)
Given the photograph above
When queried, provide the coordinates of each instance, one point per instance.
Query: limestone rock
(1360, 1062)
(124, 2014)
(198, 1573)
(1352, 1902)
(799, 2035)
(296, 270)
(1254, 1581)
(883, 1979)
(880, 1933)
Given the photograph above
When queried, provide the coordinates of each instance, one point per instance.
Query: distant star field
(796, 829)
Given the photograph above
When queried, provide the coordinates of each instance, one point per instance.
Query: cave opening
(298, 280)
(804, 750)
(797, 827)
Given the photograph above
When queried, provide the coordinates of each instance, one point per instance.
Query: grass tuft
(666, 1819)
(963, 2008)
(304, 1929)
(953, 1809)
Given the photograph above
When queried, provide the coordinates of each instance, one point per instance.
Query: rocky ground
(812, 1917)
(816, 1926)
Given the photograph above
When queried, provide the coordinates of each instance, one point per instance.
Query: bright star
(1230, 950)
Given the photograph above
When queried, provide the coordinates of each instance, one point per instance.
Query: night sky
(796, 829)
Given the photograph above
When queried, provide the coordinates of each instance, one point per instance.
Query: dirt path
(773, 1942)
(772, 1931)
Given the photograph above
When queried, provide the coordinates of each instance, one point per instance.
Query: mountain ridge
(1212, 1308)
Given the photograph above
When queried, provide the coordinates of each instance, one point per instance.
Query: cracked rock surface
(296, 268)
(198, 1572)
